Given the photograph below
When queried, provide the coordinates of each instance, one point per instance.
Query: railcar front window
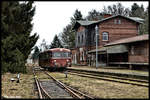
(56, 54)
(61, 54)
(69, 54)
(65, 54)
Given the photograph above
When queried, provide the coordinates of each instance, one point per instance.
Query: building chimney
(95, 19)
(107, 15)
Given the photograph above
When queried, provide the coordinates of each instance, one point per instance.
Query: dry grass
(96, 88)
(104, 89)
(24, 89)
(109, 69)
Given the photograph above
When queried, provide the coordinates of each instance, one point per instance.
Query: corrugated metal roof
(137, 19)
(117, 49)
(111, 49)
(130, 18)
(85, 23)
(129, 40)
(99, 50)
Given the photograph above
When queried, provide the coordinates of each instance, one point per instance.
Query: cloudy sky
(51, 17)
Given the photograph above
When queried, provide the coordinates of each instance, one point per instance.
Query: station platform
(114, 71)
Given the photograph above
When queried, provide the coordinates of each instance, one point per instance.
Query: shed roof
(110, 49)
(129, 40)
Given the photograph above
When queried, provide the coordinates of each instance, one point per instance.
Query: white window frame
(105, 34)
(115, 21)
(132, 50)
(119, 21)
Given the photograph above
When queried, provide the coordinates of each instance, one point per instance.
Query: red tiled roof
(129, 40)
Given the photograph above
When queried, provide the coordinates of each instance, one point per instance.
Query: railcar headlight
(67, 60)
(54, 60)
(69, 63)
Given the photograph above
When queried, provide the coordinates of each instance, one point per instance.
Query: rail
(71, 92)
(111, 78)
(44, 94)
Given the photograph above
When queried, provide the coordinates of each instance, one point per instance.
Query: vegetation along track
(52, 88)
(124, 80)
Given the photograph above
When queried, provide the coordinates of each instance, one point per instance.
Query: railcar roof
(57, 49)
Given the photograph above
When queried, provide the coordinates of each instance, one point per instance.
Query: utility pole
(97, 34)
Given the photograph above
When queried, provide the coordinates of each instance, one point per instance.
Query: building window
(79, 39)
(132, 50)
(115, 21)
(82, 38)
(105, 36)
(119, 21)
(139, 29)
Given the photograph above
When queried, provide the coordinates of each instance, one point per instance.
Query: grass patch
(24, 89)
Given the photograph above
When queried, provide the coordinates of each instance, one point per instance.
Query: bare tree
(116, 9)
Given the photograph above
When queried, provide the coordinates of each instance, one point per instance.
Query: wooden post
(65, 74)
(18, 77)
(130, 66)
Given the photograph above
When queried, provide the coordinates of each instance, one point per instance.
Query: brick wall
(80, 37)
(126, 29)
(81, 55)
(138, 59)
(81, 28)
(139, 52)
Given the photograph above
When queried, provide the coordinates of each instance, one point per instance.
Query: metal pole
(96, 33)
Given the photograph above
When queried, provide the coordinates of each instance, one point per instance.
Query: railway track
(124, 80)
(53, 88)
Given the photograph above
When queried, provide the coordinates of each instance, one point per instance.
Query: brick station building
(110, 29)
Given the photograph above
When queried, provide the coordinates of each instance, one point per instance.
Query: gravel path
(54, 90)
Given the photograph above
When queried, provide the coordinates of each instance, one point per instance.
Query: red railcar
(55, 58)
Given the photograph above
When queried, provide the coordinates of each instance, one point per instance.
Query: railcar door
(49, 58)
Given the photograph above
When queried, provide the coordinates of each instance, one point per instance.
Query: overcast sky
(51, 17)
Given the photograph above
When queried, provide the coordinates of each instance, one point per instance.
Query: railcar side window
(49, 54)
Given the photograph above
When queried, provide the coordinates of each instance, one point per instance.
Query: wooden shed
(136, 48)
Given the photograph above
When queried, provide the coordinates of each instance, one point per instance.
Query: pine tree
(138, 11)
(36, 53)
(134, 9)
(94, 15)
(56, 43)
(16, 40)
(146, 21)
(68, 35)
(76, 16)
